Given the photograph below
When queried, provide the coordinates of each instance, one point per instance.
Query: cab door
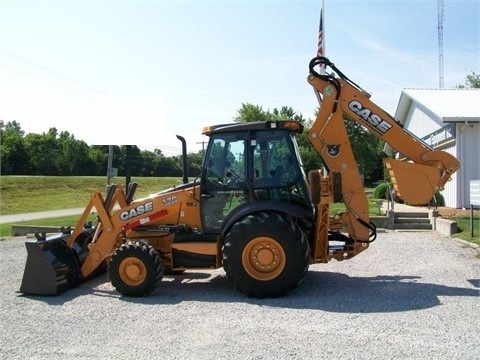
(223, 179)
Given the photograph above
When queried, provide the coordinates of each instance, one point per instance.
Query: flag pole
(321, 47)
(321, 37)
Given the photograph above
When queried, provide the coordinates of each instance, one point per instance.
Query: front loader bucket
(52, 267)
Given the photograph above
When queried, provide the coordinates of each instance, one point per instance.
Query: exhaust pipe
(184, 158)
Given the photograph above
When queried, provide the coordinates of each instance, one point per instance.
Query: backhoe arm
(329, 137)
(415, 180)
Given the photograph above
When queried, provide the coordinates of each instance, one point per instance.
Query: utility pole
(1, 128)
(109, 164)
(128, 164)
(203, 146)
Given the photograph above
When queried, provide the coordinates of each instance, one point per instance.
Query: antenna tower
(440, 43)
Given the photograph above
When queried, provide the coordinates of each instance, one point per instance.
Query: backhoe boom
(416, 180)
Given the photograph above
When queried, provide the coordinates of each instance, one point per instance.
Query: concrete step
(412, 214)
(400, 220)
(413, 226)
(414, 220)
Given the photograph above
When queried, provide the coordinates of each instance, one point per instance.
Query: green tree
(472, 81)
(97, 156)
(170, 166)
(195, 161)
(310, 158)
(366, 149)
(14, 157)
(287, 113)
(134, 157)
(43, 152)
(149, 163)
(73, 154)
(249, 113)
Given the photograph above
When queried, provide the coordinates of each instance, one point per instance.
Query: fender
(305, 215)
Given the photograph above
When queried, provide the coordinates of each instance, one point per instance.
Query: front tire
(265, 255)
(135, 269)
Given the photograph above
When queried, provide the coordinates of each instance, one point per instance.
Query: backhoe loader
(252, 210)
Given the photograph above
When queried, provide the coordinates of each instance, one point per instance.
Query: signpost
(474, 200)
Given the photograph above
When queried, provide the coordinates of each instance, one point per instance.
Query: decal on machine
(136, 211)
(372, 119)
(333, 150)
(169, 200)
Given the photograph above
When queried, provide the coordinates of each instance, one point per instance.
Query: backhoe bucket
(52, 267)
(415, 183)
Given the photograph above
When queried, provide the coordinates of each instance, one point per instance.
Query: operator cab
(250, 163)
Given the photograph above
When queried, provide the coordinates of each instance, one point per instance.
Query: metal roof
(450, 105)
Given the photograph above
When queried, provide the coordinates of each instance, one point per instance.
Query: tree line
(60, 153)
(56, 153)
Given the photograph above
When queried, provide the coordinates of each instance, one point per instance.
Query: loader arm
(415, 180)
(112, 224)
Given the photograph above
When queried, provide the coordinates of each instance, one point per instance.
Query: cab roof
(291, 125)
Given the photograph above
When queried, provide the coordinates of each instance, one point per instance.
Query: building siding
(453, 118)
(419, 122)
(468, 139)
(450, 193)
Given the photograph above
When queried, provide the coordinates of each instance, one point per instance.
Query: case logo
(136, 211)
(372, 119)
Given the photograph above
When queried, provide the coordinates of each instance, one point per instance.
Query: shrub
(439, 199)
(381, 191)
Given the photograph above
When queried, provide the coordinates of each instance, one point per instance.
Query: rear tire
(135, 269)
(265, 255)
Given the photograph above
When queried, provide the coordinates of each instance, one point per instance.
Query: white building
(449, 120)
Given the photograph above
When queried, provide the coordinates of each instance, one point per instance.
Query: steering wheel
(233, 177)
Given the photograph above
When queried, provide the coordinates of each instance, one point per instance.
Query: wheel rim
(263, 258)
(132, 271)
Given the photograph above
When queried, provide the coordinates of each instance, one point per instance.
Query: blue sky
(140, 72)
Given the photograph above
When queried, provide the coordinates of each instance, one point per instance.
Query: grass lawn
(464, 229)
(24, 194)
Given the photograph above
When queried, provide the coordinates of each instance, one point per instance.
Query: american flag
(321, 44)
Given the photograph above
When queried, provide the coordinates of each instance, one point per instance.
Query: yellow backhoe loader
(252, 209)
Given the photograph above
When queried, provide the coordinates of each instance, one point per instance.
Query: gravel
(411, 295)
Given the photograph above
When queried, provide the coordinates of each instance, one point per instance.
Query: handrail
(391, 198)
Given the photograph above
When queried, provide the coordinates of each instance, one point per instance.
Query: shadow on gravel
(326, 291)
(87, 288)
(337, 292)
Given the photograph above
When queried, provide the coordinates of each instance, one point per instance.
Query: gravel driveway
(412, 295)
